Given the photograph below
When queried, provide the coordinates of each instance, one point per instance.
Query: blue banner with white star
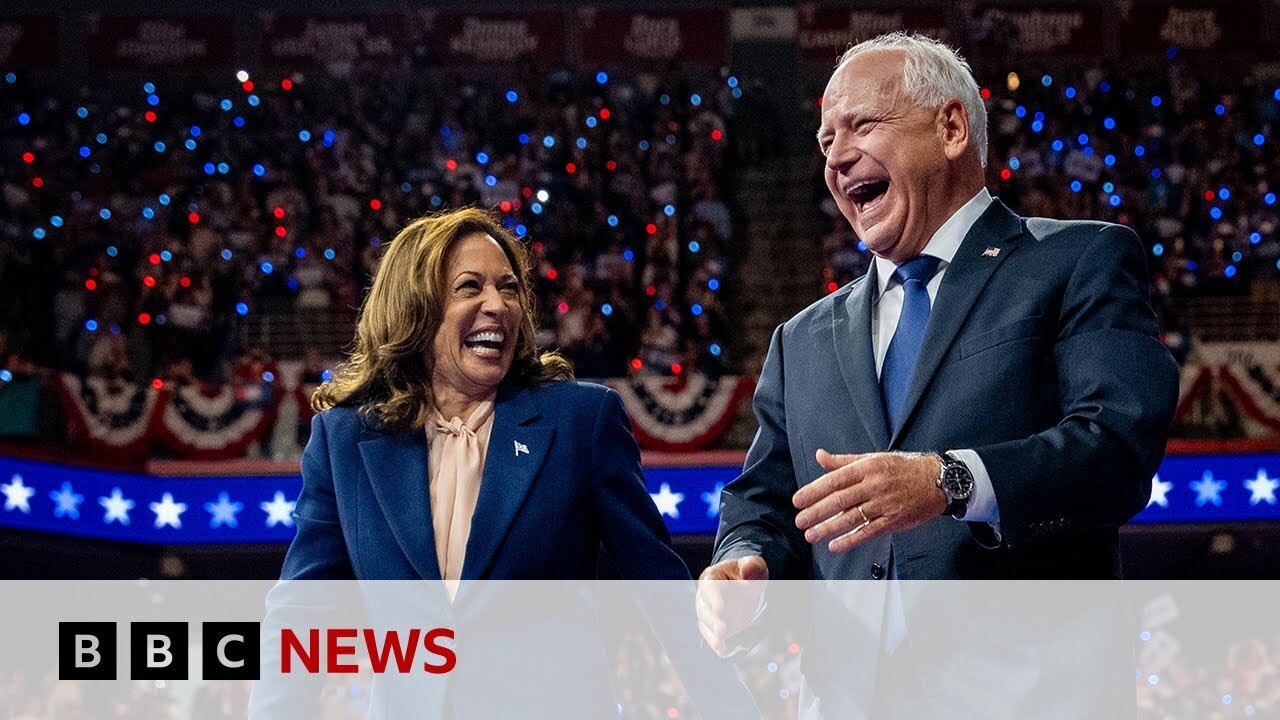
(187, 510)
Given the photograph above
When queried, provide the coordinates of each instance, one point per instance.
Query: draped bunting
(681, 414)
(111, 419)
(1230, 390)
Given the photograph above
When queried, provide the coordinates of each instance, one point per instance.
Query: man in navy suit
(990, 401)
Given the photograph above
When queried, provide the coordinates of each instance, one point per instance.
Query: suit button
(877, 571)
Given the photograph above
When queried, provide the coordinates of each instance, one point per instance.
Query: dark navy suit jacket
(574, 481)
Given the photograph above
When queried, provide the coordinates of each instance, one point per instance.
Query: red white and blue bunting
(681, 414)
(112, 419)
(1230, 390)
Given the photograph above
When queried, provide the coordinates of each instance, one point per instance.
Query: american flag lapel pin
(991, 252)
(521, 448)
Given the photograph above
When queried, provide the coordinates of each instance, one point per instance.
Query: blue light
(165, 255)
(521, 230)
(694, 246)
(153, 100)
(329, 254)
(1155, 173)
(664, 99)
(490, 180)
(606, 309)
(1114, 200)
(23, 118)
(436, 201)
(1230, 272)
(163, 199)
(1088, 151)
(695, 99)
(536, 208)
(1082, 139)
(715, 349)
(189, 144)
(266, 267)
(612, 220)
(1155, 101)
(1157, 250)
(225, 105)
(81, 112)
(195, 131)
(581, 143)
(242, 308)
(84, 151)
(148, 213)
(1153, 679)
(112, 251)
(405, 187)
(1039, 115)
(148, 88)
(1224, 193)
(1276, 94)
(1057, 146)
(1046, 81)
(732, 81)
(1192, 265)
(115, 328)
(669, 210)
(1171, 53)
(104, 213)
(696, 309)
(304, 136)
(1215, 213)
(548, 141)
(10, 78)
(56, 221)
(1014, 163)
(1237, 256)
(1259, 139)
(1220, 109)
(1070, 92)
(591, 121)
(482, 157)
(1109, 123)
(602, 77)
(226, 253)
(737, 93)
(1109, 160)
(1255, 238)
(253, 100)
(1139, 151)
(1037, 126)
(210, 168)
(524, 138)
(94, 168)
(259, 170)
(644, 146)
(713, 284)
(628, 255)
(5, 375)
(91, 325)
(328, 138)
(1108, 187)
(660, 305)
(38, 233)
(1020, 111)
(238, 121)
(268, 376)
(1226, 699)
(326, 375)
(512, 96)
(1269, 198)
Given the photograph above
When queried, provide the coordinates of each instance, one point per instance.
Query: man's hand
(863, 496)
(729, 597)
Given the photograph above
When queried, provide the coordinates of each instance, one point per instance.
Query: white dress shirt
(887, 308)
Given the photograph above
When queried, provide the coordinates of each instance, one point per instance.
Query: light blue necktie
(908, 338)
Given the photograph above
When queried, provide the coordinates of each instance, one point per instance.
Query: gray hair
(932, 74)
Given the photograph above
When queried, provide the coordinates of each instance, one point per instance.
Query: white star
(1208, 490)
(279, 511)
(1263, 488)
(167, 511)
(668, 502)
(223, 512)
(712, 499)
(1159, 492)
(16, 495)
(67, 502)
(117, 507)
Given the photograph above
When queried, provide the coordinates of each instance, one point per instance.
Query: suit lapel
(961, 286)
(851, 334)
(396, 465)
(516, 451)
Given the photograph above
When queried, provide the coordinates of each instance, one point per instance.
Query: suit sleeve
(318, 551)
(1118, 387)
(756, 513)
(632, 529)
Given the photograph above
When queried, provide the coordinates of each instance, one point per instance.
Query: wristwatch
(956, 482)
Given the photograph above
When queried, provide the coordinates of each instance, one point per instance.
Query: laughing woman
(463, 452)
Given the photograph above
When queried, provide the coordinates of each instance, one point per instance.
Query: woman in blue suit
(447, 447)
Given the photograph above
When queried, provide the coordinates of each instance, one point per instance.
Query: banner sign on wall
(143, 43)
(1232, 26)
(479, 37)
(29, 43)
(309, 40)
(689, 36)
(826, 31)
(1063, 28)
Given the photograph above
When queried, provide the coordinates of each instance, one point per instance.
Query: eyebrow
(503, 276)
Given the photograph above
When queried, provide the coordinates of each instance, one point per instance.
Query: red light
(247, 85)
(451, 164)
(376, 204)
(651, 291)
(281, 231)
(675, 370)
(185, 282)
(157, 384)
(794, 648)
(144, 319)
(37, 181)
(150, 116)
(651, 229)
(154, 258)
(605, 114)
(611, 166)
(636, 364)
(279, 213)
(571, 168)
(1208, 194)
(505, 206)
(563, 307)
(149, 281)
(537, 247)
(552, 274)
(193, 218)
(672, 712)
(527, 192)
(91, 284)
(985, 93)
(28, 157)
(832, 287)
(1005, 174)
(717, 135)
(286, 84)
(819, 102)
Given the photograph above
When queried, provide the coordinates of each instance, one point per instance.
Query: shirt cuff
(982, 504)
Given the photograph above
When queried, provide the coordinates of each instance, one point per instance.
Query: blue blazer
(365, 513)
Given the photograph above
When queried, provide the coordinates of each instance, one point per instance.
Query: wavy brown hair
(388, 374)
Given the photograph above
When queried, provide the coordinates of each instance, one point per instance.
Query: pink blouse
(455, 462)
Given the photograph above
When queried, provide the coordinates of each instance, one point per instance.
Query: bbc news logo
(231, 651)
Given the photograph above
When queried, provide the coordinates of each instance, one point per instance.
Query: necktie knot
(920, 269)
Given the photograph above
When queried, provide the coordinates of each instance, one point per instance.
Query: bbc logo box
(159, 651)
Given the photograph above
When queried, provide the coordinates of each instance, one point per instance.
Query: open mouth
(865, 193)
(486, 344)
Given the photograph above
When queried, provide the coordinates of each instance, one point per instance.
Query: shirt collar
(945, 242)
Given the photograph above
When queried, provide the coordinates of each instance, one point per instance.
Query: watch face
(957, 481)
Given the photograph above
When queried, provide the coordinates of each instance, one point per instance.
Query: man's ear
(953, 128)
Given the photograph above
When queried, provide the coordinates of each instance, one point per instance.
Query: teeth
(486, 337)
